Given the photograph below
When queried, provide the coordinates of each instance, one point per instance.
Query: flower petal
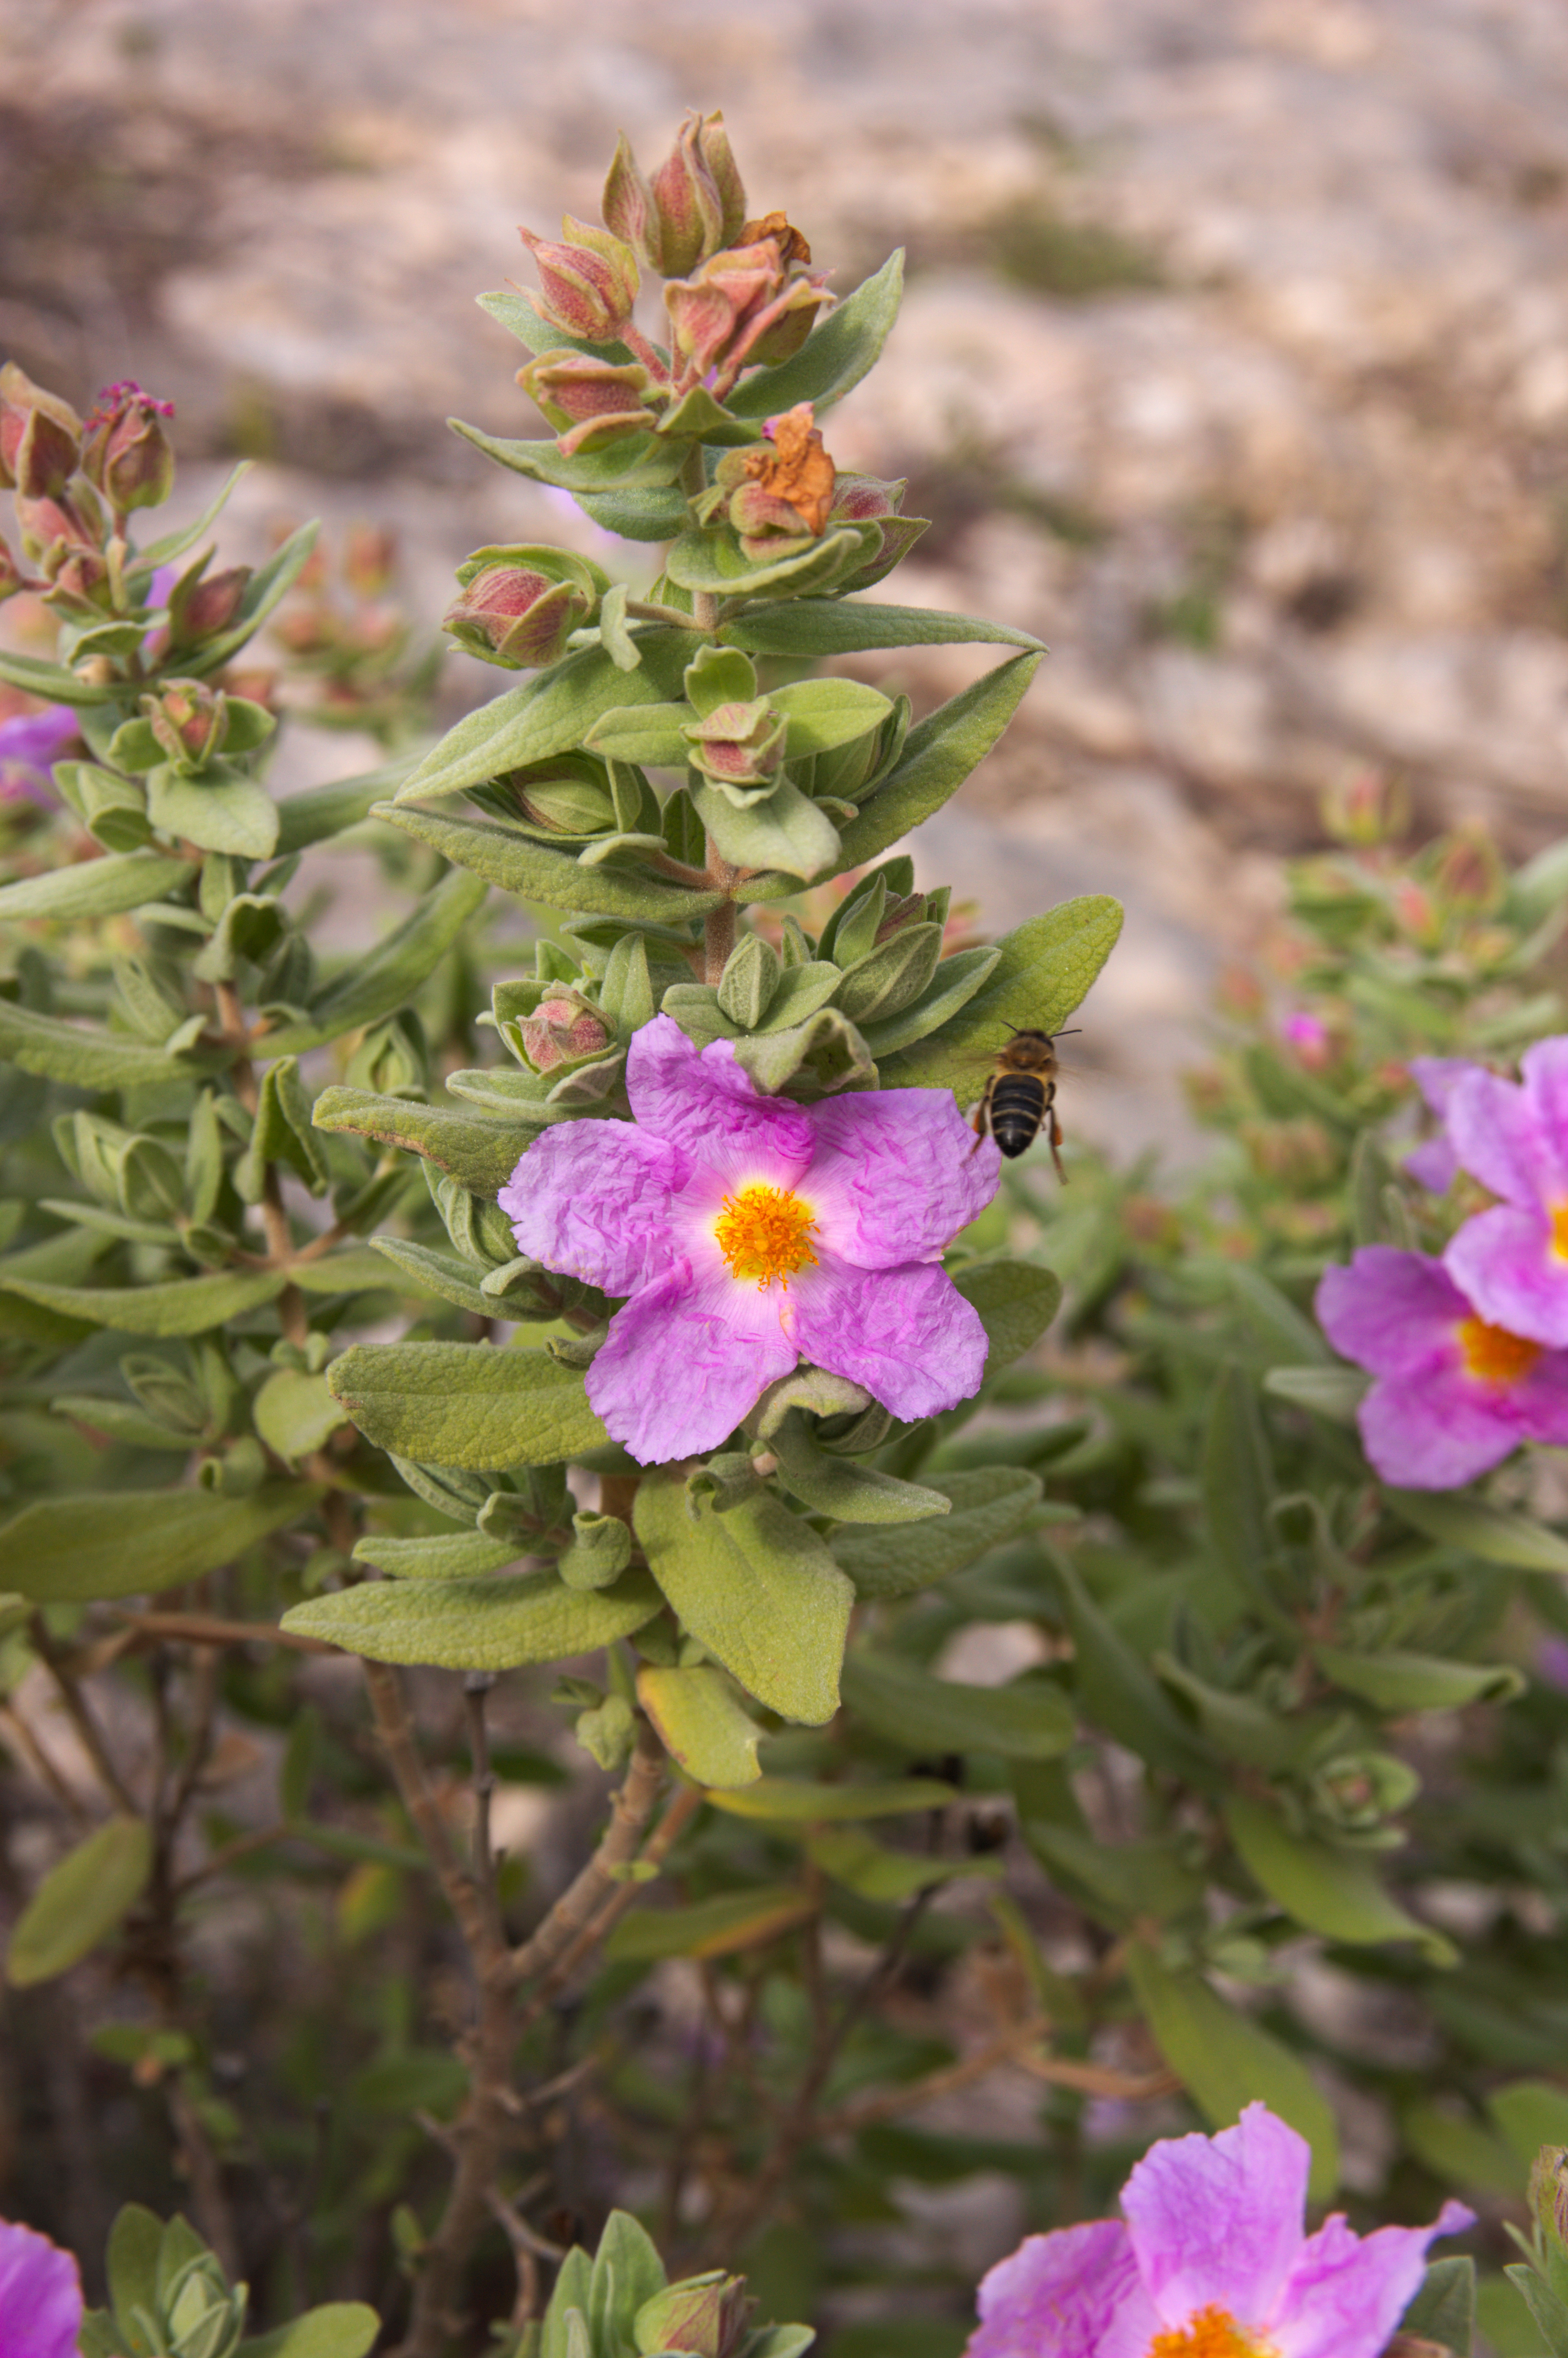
(1392, 1311)
(685, 1360)
(1434, 1165)
(1539, 1404)
(1502, 1140)
(1437, 1433)
(1218, 2221)
(897, 1174)
(1346, 2293)
(593, 1200)
(1437, 1077)
(41, 2296)
(1505, 1262)
(709, 1106)
(1545, 1070)
(907, 1335)
(1074, 2294)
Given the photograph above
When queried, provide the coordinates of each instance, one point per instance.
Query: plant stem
(575, 1909)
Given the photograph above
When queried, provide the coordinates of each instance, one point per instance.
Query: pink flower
(1434, 1163)
(1212, 2262)
(750, 1232)
(1513, 1261)
(1309, 1035)
(1454, 1394)
(41, 2296)
(30, 743)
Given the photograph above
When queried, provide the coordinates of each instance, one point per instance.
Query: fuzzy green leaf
(719, 1926)
(1027, 1720)
(466, 1403)
(1331, 1892)
(1045, 967)
(939, 755)
(338, 2328)
(989, 1505)
(1400, 1682)
(547, 716)
(385, 979)
(536, 872)
(840, 1488)
(95, 888)
(497, 1624)
(120, 1543)
(1477, 1529)
(219, 812)
(88, 1059)
(834, 356)
(830, 626)
(701, 1724)
(438, 1556)
(80, 1901)
(322, 812)
(180, 1305)
(792, 1801)
(787, 832)
(481, 1154)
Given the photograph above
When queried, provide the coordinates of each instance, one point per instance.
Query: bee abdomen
(1017, 1110)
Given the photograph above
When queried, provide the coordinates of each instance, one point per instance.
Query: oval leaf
(119, 1543)
(466, 1403)
(79, 1902)
(1045, 967)
(989, 1506)
(476, 1625)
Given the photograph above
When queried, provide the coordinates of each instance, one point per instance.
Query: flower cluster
(1213, 2261)
(1470, 1354)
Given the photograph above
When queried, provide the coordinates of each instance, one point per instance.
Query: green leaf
(839, 1488)
(1331, 1892)
(441, 1275)
(221, 811)
(80, 1901)
(1444, 2310)
(1027, 1720)
(834, 356)
(712, 1928)
(438, 1555)
(1531, 2114)
(863, 1865)
(1548, 2309)
(339, 2328)
(163, 551)
(517, 314)
(1228, 2061)
(1399, 1682)
(713, 561)
(788, 832)
(95, 888)
(375, 984)
(1475, 1529)
(952, 986)
(1044, 969)
(549, 715)
(496, 1624)
(131, 2261)
(938, 755)
(1334, 1393)
(182, 1305)
(790, 1801)
(822, 714)
(599, 1552)
(701, 1724)
(641, 463)
(1017, 1300)
(1454, 2145)
(295, 1414)
(481, 1154)
(54, 682)
(627, 2272)
(637, 512)
(1238, 1487)
(1118, 1694)
(536, 872)
(87, 1060)
(322, 812)
(647, 733)
(265, 591)
(349, 1269)
(466, 1403)
(989, 1506)
(827, 626)
(126, 1542)
(757, 1587)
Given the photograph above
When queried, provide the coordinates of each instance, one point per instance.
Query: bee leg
(1057, 1149)
(979, 1125)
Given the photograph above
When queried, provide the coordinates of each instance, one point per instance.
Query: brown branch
(683, 1808)
(80, 1719)
(1012, 2046)
(203, 1629)
(396, 1730)
(630, 1812)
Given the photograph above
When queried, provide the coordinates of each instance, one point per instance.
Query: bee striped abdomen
(1018, 1107)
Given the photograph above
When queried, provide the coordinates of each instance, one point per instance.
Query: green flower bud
(739, 746)
(40, 438)
(569, 794)
(866, 499)
(592, 402)
(586, 284)
(1549, 2194)
(128, 453)
(705, 2316)
(520, 605)
(852, 773)
(694, 205)
(205, 2316)
(191, 721)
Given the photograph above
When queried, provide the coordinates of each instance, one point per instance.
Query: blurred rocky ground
(1234, 362)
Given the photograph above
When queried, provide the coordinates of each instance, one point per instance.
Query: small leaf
(1017, 1300)
(1444, 2310)
(96, 888)
(80, 1901)
(466, 1403)
(600, 1551)
(713, 561)
(1027, 1720)
(1228, 2061)
(641, 463)
(219, 812)
(938, 755)
(119, 1543)
(537, 873)
(701, 1724)
(851, 1493)
(181, 1305)
(497, 1624)
(822, 626)
(1238, 1488)
(825, 713)
(295, 1414)
(952, 986)
(1331, 1892)
(548, 715)
(1334, 1393)
(481, 1154)
(834, 356)
(440, 1556)
(1531, 2114)
(784, 1801)
(1118, 1694)
(787, 831)
(823, 1054)
(1400, 1682)
(721, 1927)
(88, 1059)
(322, 812)
(988, 1506)
(1045, 967)
(757, 1587)
(131, 2261)
(387, 977)
(339, 2328)
(1475, 1529)
(888, 1877)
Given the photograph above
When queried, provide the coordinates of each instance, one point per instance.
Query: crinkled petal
(1545, 1070)
(708, 1106)
(1437, 1431)
(1501, 1139)
(907, 1335)
(1346, 2293)
(1540, 1403)
(1218, 2221)
(1391, 1312)
(41, 2296)
(1438, 1076)
(685, 1360)
(1434, 1165)
(593, 1198)
(897, 1174)
(1074, 2294)
(1506, 1261)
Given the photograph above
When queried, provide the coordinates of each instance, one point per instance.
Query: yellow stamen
(1559, 1230)
(1208, 2333)
(1495, 1354)
(762, 1233)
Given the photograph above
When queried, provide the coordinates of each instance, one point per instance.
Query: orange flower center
(1559, 1230)
(1495, 1354)
(1208, 2333)
(763, 1233)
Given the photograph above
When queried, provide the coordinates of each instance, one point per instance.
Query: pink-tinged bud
(191, 721)
(1310, 1036)
(63, 544)
(1368, 810)
(899, 910)
(739, 746)
(40, 438)
(586, 284)
(370, 560)
(562, 1029)
(694, 205)
(705, 2316)
(753, 302)
(199, 609)
(1469, 875)
(127, 454)
(866, 499)
(592, 402)
(1415, 913)
(569, 794)
(520, 605)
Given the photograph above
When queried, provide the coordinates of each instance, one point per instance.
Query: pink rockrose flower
(1512, 1262)
(1454, 1394)
(41, 2296)
(1434, 1163)
(1310, 1036)
(30, 744)
(1213, 2261)
(749, 1233)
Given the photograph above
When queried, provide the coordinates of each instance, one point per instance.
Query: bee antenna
(1070, 1033)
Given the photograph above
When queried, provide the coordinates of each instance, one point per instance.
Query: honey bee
(1020, 1098)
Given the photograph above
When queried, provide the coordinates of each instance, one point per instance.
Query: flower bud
(705, 2316)
(520, 605)
(781, 490)
(1469, 875)
(738, 745)
(866, 499)
(586, 284)
(191, 721)
(852, 773)
(561, 1030)
(754, 301)
(592, 402)
(694, 205)
(370, 559)
(127, 454)
(199, 609)
(1369, 810)
(40, 437)
(568, 794)
(204, 2315)
(60, 542)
